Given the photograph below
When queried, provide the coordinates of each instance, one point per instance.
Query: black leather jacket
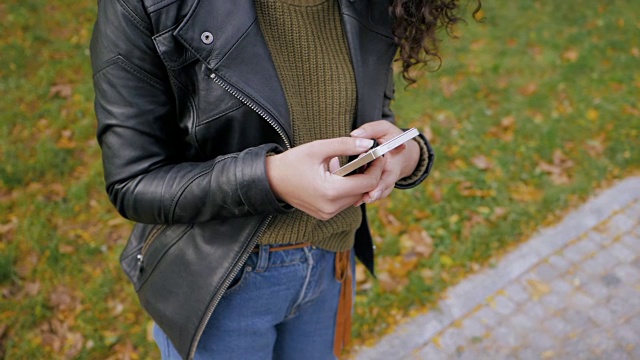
(188, 105)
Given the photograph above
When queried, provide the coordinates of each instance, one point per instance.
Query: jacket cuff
(423, 168)
(253, 184)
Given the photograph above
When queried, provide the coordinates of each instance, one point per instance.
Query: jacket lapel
(238, 42)
(236, 53)
(372, 49)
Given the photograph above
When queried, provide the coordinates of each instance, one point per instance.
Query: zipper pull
(140, 262)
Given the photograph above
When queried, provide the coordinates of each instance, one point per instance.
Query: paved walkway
(570, 292)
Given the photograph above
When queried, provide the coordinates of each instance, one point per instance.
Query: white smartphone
(376, 152)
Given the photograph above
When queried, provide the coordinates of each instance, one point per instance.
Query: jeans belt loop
(263, 258)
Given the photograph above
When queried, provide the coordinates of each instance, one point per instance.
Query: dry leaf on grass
(498, 213)
(630, 110)
(9, 226)
(417, 241)
(62, 298)
(570, 55)
(482, 162)
(595, 147)
(466, 189)
(558, 170)
(448, 86)
(468, 225)
(525, 192)
(528, 89)
(57, 336)
(66, 140)
(393, 271)
(61, 90)
(505, 131)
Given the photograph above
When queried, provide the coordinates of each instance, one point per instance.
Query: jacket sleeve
(145, 152)
(426, 153)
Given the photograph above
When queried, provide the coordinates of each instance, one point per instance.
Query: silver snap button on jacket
(206, 37)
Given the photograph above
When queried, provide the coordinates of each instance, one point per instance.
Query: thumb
(334, 164)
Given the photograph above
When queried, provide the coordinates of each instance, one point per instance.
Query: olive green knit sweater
(312, 59)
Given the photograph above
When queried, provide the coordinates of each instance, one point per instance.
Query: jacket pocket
(146, 248)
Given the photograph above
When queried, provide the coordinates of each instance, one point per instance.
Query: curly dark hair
(416, 24)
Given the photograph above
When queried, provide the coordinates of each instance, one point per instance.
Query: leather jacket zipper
(153, 235)
(255, 107)
(234, 271)
(254, 240)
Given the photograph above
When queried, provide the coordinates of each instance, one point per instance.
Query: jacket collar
(228, 22)
(237, 42)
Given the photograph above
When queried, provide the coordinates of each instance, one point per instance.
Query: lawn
(532, 110)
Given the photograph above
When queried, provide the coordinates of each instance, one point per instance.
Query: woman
(220, 124)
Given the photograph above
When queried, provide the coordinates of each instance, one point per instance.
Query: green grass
(567, 77)
(535, 82)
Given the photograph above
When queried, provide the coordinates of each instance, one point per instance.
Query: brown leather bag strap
(343, 321)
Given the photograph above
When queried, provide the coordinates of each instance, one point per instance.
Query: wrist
(271, 164)
(411, 158)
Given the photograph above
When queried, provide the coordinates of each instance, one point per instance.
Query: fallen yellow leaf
(525, 193)
(549, 354)
(537, 288)
(492, 302)
(446, 260)
(436, 341)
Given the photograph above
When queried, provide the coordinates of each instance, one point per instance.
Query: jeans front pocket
(241, 278)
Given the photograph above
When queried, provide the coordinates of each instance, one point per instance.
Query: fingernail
(364, 144)
(357, 132)
(374, 197)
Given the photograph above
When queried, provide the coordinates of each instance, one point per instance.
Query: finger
(386, 182)
(364, 182)
(329, 148)
(377, 171)
(382, 190)
(398, 149)
(334, 164)
(336, 207)
(376, 167)
(384, 187)
(381, 129)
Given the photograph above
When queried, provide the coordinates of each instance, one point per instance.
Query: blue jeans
(281, 305)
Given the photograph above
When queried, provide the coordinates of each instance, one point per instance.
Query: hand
(302, 176)
(398, 163)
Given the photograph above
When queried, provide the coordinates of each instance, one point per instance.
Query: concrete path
(570, 292)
